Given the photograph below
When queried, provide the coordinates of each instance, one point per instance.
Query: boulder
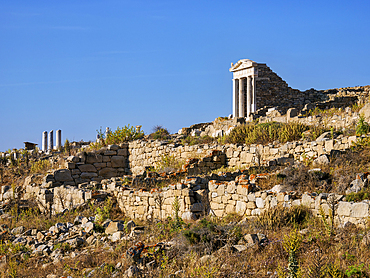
(114, 227)
(365, 111)
(188, 216)
(321, 160)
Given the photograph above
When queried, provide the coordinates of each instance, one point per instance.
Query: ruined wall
(272, 90)
(117, 161)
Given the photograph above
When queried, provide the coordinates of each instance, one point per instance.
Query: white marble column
(241, 98)
(249, 93)
(51, 140)
(58, 139)
(254, 106)
(44, 141)
(235, 98)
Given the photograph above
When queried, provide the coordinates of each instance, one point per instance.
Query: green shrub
(120, 135)
(197, 140)
(160, 133)
(263, 133)
(362, 126)
(168, 163)
(41, 166)
(279, 217)
(359, 196)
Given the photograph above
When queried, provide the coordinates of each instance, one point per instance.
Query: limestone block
(264, 195)
(260, 203)
(221, 189)
(329, 145)
(63, 175)
(213, 205)
(93, 158)
(108, 152)
(351, 140)
(236, 197)
(123, 152)
(251, 197)
(108, 172)
(219, 212)
(70, 165)
(86, 168)
(241, 190)
(100, 165)
(246, 157)
(225, 199)
(231, 187)
(280, 197)
(212, 185)
(230, 208)
(360, 210)
(251, 205)
(296, 202)
(256, 212)
(88, 175)
(233, 161)
(326, 208)
(241, 207)
(344, 209)
(306, 200)
(114, 227)
(106, 159)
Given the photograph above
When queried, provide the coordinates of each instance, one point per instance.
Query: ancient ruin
(256, 86)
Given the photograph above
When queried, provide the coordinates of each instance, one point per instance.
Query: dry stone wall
(133, 158)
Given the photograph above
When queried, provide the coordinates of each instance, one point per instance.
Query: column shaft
(241, 98)
(44, 141)
(235, 98)
(51, 140)
(249, 89)
(58, 139)
(254, 106)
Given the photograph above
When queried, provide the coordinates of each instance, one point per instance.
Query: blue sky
(80, 65)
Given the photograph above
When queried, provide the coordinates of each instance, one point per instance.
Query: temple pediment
(242, 64)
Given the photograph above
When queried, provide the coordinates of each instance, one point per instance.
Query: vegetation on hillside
(264, 133)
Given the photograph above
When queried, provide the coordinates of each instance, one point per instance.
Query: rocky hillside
(286, 196)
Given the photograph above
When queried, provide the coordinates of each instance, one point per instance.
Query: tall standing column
(249, 87)
(51, 142)
(241, 98)
(235, 98)
(58, 138)
(254, 106)
(44, 141)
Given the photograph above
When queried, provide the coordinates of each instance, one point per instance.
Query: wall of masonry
(197, 196)
(117, 161)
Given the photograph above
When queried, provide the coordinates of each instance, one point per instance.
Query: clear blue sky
(79, 65)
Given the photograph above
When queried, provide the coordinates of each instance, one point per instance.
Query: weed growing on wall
(120, 135)
(160, 133)
(169, 163)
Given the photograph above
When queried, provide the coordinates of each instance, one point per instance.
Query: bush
(362, 126)
(160, 133)
(268, 132)
(197, 140)
(120, 135)
(41, 166)
(168, 163)
(281, 217)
